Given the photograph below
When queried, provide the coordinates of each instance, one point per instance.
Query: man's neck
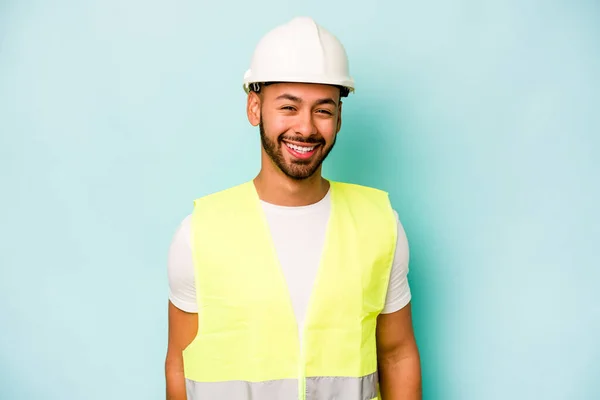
(278, 189)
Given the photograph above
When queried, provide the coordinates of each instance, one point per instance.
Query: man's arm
(183, 327)
(398, 356)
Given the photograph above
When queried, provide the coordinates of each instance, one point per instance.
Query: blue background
(480, 118)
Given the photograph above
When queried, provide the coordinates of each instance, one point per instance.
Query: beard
(295, 169)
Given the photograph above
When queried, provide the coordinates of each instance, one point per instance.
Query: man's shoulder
(370, 201)
(357, 186)
(361, 190)
(231, 191)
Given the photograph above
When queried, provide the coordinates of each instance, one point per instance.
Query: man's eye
(325, 112)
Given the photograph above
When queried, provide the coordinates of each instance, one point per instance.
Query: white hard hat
(299, 51)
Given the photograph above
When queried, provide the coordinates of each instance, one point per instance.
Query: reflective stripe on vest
(319, 388)
(247, 346)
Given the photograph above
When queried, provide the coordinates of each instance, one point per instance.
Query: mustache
(314, 139)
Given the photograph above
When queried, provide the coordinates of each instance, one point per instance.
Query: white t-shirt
(298, 235)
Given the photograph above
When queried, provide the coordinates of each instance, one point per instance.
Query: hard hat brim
(347, 83)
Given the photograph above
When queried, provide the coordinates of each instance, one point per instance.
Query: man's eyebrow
(295, 99)
(328, 100)
(287, 96)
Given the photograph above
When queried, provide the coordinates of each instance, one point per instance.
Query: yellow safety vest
(247, 346)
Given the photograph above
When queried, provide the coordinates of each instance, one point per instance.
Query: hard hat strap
(255, 87)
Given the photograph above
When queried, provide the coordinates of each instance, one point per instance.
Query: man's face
(298, 125)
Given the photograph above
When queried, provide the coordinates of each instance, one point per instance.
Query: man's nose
(305, 125)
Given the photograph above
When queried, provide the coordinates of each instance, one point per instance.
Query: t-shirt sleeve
(398, 293)
(180, 269)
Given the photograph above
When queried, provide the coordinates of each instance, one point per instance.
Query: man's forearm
(175, 379)
(400, 377)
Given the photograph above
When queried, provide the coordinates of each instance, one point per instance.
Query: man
(291, 286)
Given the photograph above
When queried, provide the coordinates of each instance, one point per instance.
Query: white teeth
(300, 149)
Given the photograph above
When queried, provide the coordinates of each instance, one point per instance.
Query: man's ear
(253, 108)
(339, 121)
